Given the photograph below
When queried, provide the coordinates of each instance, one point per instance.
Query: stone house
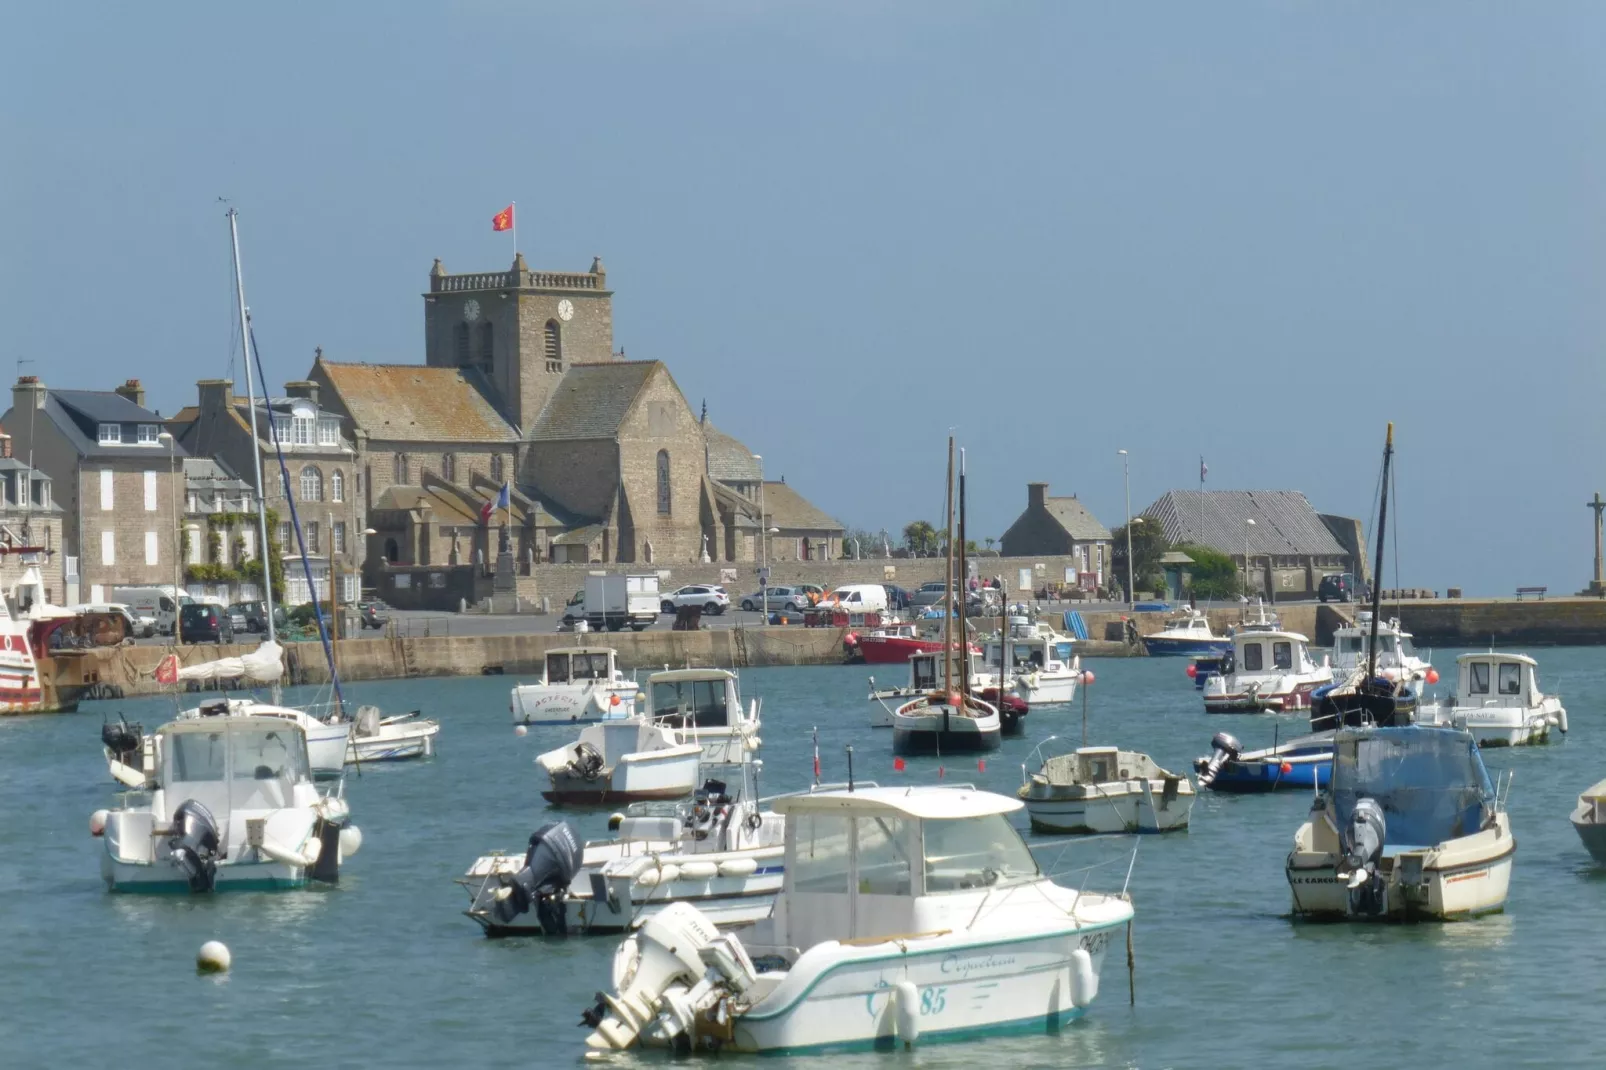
(30, 528)
(1059, 527)
(220, 531)
(118, 483)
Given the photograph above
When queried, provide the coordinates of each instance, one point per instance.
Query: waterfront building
(29, 517)
(1060, 527)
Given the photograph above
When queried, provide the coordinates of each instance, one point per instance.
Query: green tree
(920, 537)
(1148, 546)
(1214, 574)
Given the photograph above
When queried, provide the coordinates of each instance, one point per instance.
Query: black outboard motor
(125, 741)
(193, 846)
(549, 865)
(1362, 843)
(586, 763)
(1224, 749)
(711, 808)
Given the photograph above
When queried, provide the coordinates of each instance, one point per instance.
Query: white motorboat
(390, 739)
(579, 685)
(1397, 659)
(704, 707)
(618, 762)
(1094, 790)
(231, 806)
(1410, 827)
(1186, 635)
(720, 852)
(1589, 819)
(1497, 699)
(1042, 669)
(905, 914)
(328, 742)
(1266, 671)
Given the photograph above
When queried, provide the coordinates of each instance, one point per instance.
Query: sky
(1252, 232)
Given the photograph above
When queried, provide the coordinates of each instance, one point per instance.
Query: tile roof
(592, 400)
(78, 414)
(728, 460)
(1285, 522)
(412, 402)
(790, 511)
(1073, 516)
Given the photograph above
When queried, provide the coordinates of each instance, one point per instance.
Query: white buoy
(350, 841)
(97, 823)
(520, 730)
(214, 957)
(1084, 979)
(906, 1011)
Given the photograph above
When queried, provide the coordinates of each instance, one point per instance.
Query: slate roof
(728, 460)
(414, 402)
(1285, 522)
(790, 511)
(1074, 517)
(78, 414)
(592, 400)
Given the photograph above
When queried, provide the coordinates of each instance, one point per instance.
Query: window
(337, 537)
(449, 467)
(150, 492)
(105, 488)
(311, 484)
(151, 552)
(284, 535)
(301, 430)
(196, 543)
(281, 429)
(496, 468)
(108, 548)
(41, 492)
(554, 347)
(883, 863)
(111, 434)
(337, 486)
(1282, 655)
(487, 344)
(328, 433)
(248, 538)
(462, 343)
(1510, 679)
(663, 482)
(820, 853)
(311, 529)
(1254, 657)
(975, 852)
(1480, 677)
(147, 434)
(400, 474)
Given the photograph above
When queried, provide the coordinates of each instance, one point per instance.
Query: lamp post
(172, 479)
(763, 541)
(1249, 522)
(1126, 480)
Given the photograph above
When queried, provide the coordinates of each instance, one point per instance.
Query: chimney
(303, 388)
(28, 393)
(216, 395)
(5, 445)
(1035, 495)
(133, 391)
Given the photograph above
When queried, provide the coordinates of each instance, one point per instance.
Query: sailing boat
(954, 719)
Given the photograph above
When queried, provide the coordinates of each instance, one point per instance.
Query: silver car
(786, 599)
(712, 598)
(929, 594)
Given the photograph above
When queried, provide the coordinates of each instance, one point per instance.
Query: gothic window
(337, 486)
(496, 468)
(462, 343)
(487, 344)
(400, 474)
(554, 347)
(311, 484)
(663, 482)
(449, 467)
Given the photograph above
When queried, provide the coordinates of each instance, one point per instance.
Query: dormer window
(111, 434)
(328, 433)
(147, 434)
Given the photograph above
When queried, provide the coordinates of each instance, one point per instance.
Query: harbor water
(385, 970)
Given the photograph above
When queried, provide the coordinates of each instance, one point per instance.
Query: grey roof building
(1052, 526)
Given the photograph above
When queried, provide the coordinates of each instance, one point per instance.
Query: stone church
(606, 459)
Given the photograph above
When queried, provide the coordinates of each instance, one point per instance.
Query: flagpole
(514, 216)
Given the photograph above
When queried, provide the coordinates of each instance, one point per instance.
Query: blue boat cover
(1431, 782)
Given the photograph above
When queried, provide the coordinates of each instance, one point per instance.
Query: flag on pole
(502, 502)
(503, 220)
(167, 670)
(816, 755)
(897, 763)
(1204, 469)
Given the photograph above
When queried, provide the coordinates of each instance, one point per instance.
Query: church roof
(592, 400)
(413, 402)
(1285, 523)
(728, 460)
(790, 511)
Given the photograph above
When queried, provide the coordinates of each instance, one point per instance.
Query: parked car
(203, 622)
(897, 597)
(787, 599)
(575, 608)
(930, 594)
(712, 599)
(373, 614)
(237, 619)
(1336, 587)
(811, 592)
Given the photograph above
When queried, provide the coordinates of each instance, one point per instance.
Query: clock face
(471, 310)
(565, 310)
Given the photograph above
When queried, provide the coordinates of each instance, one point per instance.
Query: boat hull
(1451, 888)
(162, 878)
(1283, 701)
(1104, 813)
(395, 743)
(1161, 646)
(1593, 836)
(894, 649)
(568, 704)
(1047, 690)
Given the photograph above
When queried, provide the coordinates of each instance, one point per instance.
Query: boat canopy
(698, 698)
(927, 803)
(579, 663)
(233, 763)
(1430, 782)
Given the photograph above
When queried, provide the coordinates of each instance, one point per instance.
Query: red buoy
(1286, 768)
(1193, 670)
(1432, 677)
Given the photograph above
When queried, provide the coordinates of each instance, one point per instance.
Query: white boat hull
(560, 704)
(1041, 689)
(395, 742)
(161, 876)
(1139, 806)
(642, 777)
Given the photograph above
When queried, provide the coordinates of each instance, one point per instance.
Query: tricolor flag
(1204, 470)
(502, 502)
(503, 220)
(167, 670)
(816, 755)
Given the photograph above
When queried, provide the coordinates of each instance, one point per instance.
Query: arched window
(663, 482)
(554, 347)
(311, 484)
(449, 467)
(337, 486)
(487, 345)
(496, 468)
(462, 343)
(400, 474)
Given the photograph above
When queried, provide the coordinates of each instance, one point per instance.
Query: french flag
(502, 502)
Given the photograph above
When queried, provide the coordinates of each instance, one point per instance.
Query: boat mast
(1377, 571)
(964, 578)
(948, 610)
(264, 548)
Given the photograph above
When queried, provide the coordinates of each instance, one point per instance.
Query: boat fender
(97, 823)
(126, 774)
(699, 871)
(1561, 721)
(668, 874)
(649, 877)
(738, 867)
(350, 841)
(307, 856)
(906, 1011)
(1084, 979)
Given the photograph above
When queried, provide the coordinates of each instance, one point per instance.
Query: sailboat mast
(1377, 571)
(948, 609)
(964, 580)
(264, 547)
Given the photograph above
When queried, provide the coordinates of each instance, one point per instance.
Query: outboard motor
(586, 763)
(193, 846)
(1224, 748)
(550, 864)
(367, 721)
(1361, 842)
(125, 741)
(710, 808)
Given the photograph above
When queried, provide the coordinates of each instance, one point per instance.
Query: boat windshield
(700, 703)
(592, 666)
(967, 853)
(196, 756)
(1430, 782)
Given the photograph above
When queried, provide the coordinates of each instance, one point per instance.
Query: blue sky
(1250, 231)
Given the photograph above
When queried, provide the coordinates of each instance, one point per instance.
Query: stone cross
(1598, 585)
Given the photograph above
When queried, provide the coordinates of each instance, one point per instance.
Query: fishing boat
(1042, 669)
(231, 806)
(1396, 656)
(721, 852)
(892, 643)
(905, 915)
(619, 762)
(925, 678)
(1266, 672)
(1409, 828)
(1589, 820)
(1093, 790)
(578, 685)
(1300, 762)
(703, 706)
(1186, 635)
(1497, 698)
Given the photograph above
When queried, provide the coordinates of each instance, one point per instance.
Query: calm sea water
(385, 970)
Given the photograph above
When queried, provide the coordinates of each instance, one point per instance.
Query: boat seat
(1392, 849)
(649, 828)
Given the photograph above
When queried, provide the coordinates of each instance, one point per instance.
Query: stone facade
(30, 528)
(1060, 526)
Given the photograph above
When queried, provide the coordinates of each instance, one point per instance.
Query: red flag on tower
(503, 220)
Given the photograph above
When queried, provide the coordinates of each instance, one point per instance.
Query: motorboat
(1094, 790)
(390, 739)
(720, 852)
(905, 915)
(1042, 671)
(1203, 666)
(923, 679)
(1396, 657)
(1300, 762)
(618, 762)
(1266, 672)
(1186, 635)
(704, 706)
(578, 685)
(1497, 699)
(231, 806)
(1589, 819)
(892, 642)
(1410, 827)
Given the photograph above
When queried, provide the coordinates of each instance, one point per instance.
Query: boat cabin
(1506, 680)
(694, 698)
(1193, 621)
(844, 615)
(925, 670)
(1269, 652)
(1394, 647)
(882, 862)
(1030, 653)
(1431, 782)
(580, 665)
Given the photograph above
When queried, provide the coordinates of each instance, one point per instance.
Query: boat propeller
(193, 847)
(550, 864)
(1224, 748)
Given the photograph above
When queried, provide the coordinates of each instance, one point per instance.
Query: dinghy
(1094, 790)
(619, 762)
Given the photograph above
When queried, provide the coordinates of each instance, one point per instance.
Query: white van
(154, 604)
(858, 598)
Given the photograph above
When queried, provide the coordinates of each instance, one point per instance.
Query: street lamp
(1249, 522)
(1126, 479)
(172, 482)
(763, 541)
